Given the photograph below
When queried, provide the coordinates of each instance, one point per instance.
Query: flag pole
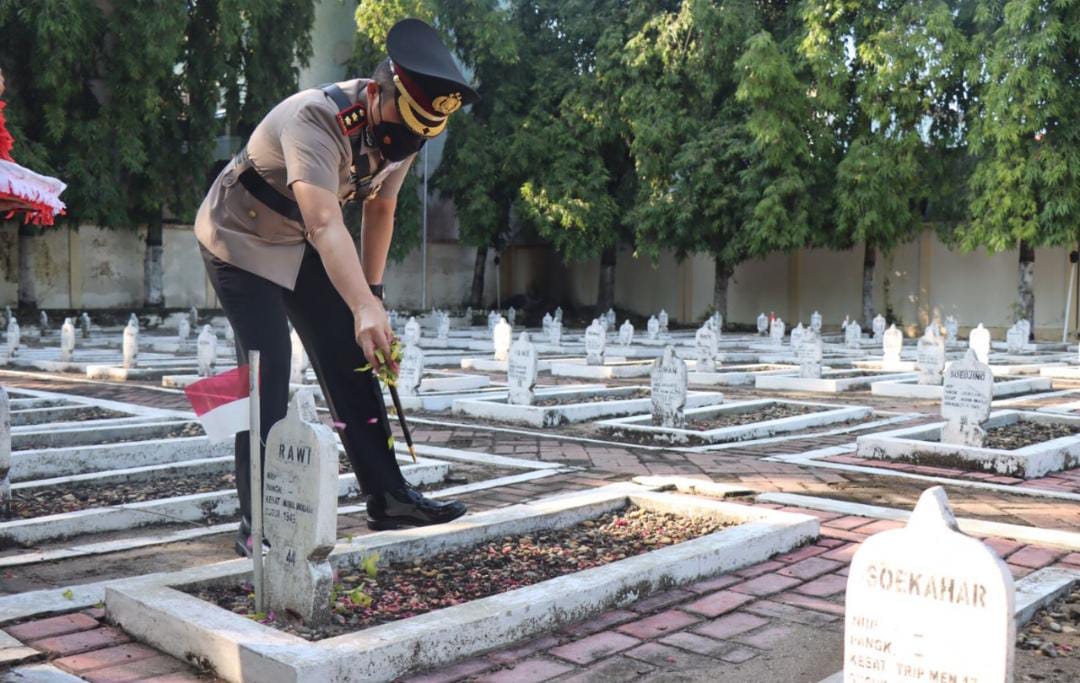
(255, 441)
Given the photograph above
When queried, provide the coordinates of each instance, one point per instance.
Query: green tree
(1025, 187)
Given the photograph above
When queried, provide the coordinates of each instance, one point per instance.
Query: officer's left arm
(375, 236)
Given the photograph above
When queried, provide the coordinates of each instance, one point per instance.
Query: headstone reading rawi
(668, 383)
(892, 343)
(130, 347)
(952, 329)
(67, 341)
(595, 343)
(300, 509)
(626, 334)
(501, 337)
(928, 603)
(84, 325)
(653, 327)
(776, 332)
(979, 342)
(5, 455)
(708, 349)
(965, 403)
(410, 370)
(662, 318)
(763, 324)
(299, 360)
(878, 327)
(853, 335)
(183, 328)
(206, 349)
(930, 358)
(412, 332)
(809, 353)
(521, 372)
(815, 322)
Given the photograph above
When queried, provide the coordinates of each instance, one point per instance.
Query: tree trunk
(153, 272)
(868, 264)
(476, 297)
(720, 288)
(1025, 289)
(27, 248)
(605, 293)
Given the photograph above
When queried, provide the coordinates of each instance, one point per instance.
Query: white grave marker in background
(626, 334)
(410, 370)
(653, 327)
(521, 373)
(928, 603)
(511, 316)
(555, 333)
(1016, 338)
(809, 353)
(84, 325)
(558, 314)
(502, 335)
(442, 332)
(969, 390)
(815, 322)
(130, 347)
(662, 318)
(892, 343)
(43, 323)
(206, 348)
(193, 317)
(979, 342)
(546, 323)
(493, 320)
(67, 340)
(5, 454)
(930, 356)
(776, 332)
(853, 335)
(14, 336)
(762, 324)
(797, 336)
(300, 509)
(952, 329)
(708, 348)
(413, 332)
(668, 383)
(183, 328)
(878, 327)
(595, 343)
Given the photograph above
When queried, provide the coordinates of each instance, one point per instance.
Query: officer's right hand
(373, 332)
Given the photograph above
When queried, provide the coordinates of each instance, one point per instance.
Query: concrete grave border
(241, 649)
(910, 388)
(614, 367)
(831, 381)
(738, 375)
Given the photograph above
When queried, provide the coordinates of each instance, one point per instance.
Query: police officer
(277, 251)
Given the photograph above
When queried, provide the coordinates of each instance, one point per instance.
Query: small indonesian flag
(221, 403)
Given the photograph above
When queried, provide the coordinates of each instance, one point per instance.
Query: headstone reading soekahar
(930, 356)
(300, 509)
(965, 403)
(299, 359)
(410, 370)
(853, 335)
(762, 324)
(67, 340)
(892, 343)
(668, 383)
(5, 454)
(626, 334)
(521, 373)
(928, 603)
(653, 327)
(809, 353)
(595, 343)
(878, 327)
(707, 346)
(130, 348)
(979, 342)
(206, 348)
(815, 322)
(501, 337)
(412, 332)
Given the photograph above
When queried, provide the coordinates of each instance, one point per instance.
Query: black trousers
(260, 311)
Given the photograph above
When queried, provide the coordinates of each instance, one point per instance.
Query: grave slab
(831, 381)
(911, 389)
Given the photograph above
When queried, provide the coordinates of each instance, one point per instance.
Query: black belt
(266, 194)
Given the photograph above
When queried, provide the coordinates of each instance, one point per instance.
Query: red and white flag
(221, 403)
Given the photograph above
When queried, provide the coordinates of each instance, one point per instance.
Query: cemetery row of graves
(802, 503)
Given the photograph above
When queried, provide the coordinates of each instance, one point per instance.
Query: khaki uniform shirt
(299, 139)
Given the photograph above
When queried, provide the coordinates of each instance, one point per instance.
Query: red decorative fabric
(38, 196)
(6, 141)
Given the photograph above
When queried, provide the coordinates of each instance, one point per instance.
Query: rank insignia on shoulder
(352, 119)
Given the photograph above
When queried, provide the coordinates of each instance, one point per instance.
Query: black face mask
(394, 140)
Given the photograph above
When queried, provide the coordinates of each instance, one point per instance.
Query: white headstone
(511, 316)
(797, 335)
(193, 317)
(183, 328)
(14, 336)
(662, 318)
(410, 370)
(853, 335)
(847, 321)
(930, 356)
(493, 320)
(546, 322)
(809, 353)
(626, 334)
(965, 403)
(776, 332)
(43, 322)
(815, 322)
(1025, 327)
(443, 331)
(84, 325)
(762, 324)
(892, 343)
(393, 316)
(67, 340)
(717, 322)
(1015, 339)
(130, 345)
(468, 316)
(653, 327)
(555, 333)
(707, 345)
(558, 314)
(134, 320)
(299, 359)
(5, 454)
(300, 509)
(878, 328)
(952, 329)
(609, 319)
(928, 603)
(979, 342)
(668, 383)
(595, 343)
(502, 335)
(206, 349)
(521, 373)
(412, 332)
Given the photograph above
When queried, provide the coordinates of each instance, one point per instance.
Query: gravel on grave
(572, 399)
(774, 411)
(1022, 433)
(362, 599)
(1048, 646)
(81, 415)
(180, 431)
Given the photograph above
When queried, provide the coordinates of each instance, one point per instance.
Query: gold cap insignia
(447, 104)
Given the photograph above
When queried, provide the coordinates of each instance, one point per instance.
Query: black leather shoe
(407, 507)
